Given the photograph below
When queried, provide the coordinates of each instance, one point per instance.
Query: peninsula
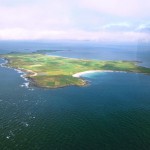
(54, 72)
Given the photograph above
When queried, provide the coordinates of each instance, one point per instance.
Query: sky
(93, 20)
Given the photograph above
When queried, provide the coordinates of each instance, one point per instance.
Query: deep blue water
(112, 113)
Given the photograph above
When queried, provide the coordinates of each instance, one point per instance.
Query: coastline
(53, 81)
(80, 74)
(30, 81)
(18, 70)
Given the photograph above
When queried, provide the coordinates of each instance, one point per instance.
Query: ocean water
(111, 113)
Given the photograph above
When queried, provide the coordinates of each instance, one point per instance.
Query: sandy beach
(79, 74)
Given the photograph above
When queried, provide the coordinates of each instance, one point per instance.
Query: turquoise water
(112, 113)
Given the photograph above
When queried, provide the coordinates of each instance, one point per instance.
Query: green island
(54, 72)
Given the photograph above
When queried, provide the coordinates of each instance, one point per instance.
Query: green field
(53, 72)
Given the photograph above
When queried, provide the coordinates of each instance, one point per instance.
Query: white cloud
(120, 24)
(37, 15)
(143, 28)
(78, 20)
(128, 8)
(22, 34)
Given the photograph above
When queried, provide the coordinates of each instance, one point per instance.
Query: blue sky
(98, 20)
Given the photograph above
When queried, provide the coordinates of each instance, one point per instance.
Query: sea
(111, 113)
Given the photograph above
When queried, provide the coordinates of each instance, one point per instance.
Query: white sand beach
(79, 74)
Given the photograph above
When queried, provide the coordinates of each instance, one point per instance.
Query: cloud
(111, 20)
(123, 8)
(22, 34)
(143, 28)
(119, 26)
(35, 15)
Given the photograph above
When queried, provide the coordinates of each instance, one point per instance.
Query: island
(53, 71)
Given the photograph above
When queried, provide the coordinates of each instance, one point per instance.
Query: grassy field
(53, 72)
